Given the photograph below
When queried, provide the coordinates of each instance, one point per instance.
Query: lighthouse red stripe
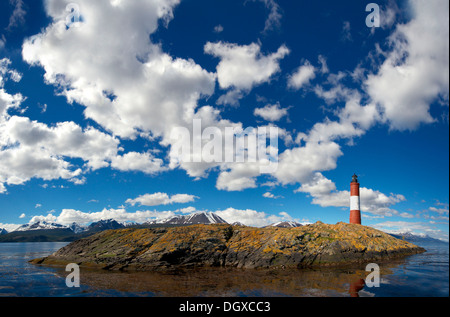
(354, 189)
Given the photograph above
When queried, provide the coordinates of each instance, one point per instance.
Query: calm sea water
(425, 275)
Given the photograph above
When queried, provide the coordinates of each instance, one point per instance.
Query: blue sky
(90, 93)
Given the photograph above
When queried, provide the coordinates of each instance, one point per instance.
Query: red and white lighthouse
(355, 213)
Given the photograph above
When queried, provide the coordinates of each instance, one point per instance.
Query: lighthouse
(355, 213)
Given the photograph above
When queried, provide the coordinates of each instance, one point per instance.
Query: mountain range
(43, 231)
(414, 238)
(191, 219)
(47, 231)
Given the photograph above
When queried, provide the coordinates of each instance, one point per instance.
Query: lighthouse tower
(355, 214)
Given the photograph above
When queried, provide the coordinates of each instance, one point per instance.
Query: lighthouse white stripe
(354, 202)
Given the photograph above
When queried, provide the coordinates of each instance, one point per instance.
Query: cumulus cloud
(125, 83)
(325, 194)
(65, 139)
(251, 217)
(271, 196)
(418, 228)
(114, 67)
(35, 150)
(247, 217)
(302, 76)
(69, 216)
(271, 112)
(415, 72)
(31, 149)
(10, 227)
(242, 67)
(134, 161)
(158, 199)
(7, 100)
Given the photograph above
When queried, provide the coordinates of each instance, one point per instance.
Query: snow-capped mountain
(40, 225)
(76, 228)
(3, 231)
(195, 218)
(286, 224)
(415, 237)
(105, 225)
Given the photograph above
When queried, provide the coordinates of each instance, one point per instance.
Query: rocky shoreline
(223, 245)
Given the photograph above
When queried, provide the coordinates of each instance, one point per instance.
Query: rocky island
(224, 245)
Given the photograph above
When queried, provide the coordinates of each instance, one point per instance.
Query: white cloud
(271, 196)
(65, 139)
(273, 20)
(251, 217)
(126, 83)
(2, 42)
(133, 161)
(325, 194)
(18, 16)
(6, 100)
(242, 67)
(302, 76)
(346, 31)
(30, 149)
(297, 165)
(158, 199)
(271, 112)
(9, 226)
(23, 163)
(218, 28)
(439, 210)
(240, 176)
(419, 228)
(415, 72)
(68, 216)
(324, 66)
(22, 216)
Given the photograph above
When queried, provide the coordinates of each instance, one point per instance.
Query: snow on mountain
(286, 224)
(76, 228)
(105, 225)
(415, 237)
(40, 225)
(191, 219)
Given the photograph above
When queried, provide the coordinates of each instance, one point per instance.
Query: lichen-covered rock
(233, 246)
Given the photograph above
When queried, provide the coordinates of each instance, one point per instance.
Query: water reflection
(356, 286)
(230, 282)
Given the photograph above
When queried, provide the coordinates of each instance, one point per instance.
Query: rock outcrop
(231, 246)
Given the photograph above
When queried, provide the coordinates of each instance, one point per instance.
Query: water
(424, 275)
